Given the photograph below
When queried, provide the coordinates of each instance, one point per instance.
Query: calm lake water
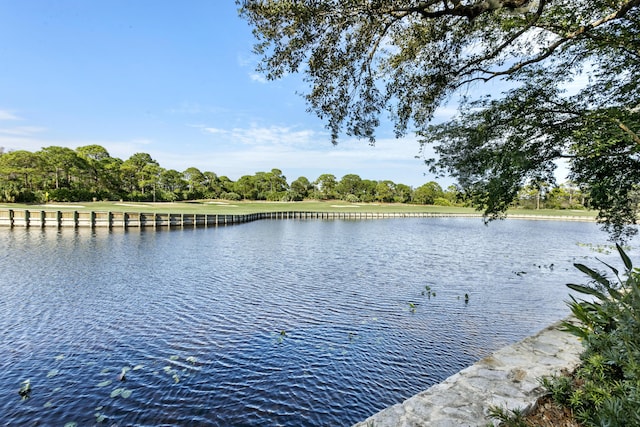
(292, 323)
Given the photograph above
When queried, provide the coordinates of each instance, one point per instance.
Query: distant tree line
(89, 173)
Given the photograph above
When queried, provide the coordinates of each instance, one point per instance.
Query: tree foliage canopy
(571, 68)
(89, 173)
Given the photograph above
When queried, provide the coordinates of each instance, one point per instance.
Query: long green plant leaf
(597, 277)
(587, 290)
(615, 294)
(578, 331)
(581, 313)
(625, 258)
(612, 268)
(596, 314)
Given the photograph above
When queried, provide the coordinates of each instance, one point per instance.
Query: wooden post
(110, 219)
(11, 218)
(76, 219)
(92, 219)
(26, 218)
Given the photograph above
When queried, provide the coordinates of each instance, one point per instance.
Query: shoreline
(507, 378)
(42, 218)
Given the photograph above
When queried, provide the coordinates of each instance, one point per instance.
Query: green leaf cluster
(64, 175)
(605, 389)
(568, 68)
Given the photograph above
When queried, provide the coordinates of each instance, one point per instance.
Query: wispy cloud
(303, 152)
(244, 60)
(8, 115)
(22, 138)
(33, 139)
(21, 131)
(195, 108)
(389, 159)
(272, 135)
(250, 61)
(214, 131)
(259, 78)
(238, 151)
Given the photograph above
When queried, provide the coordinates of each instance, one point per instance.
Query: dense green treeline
(65, 175)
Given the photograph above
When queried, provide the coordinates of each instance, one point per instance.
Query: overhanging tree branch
(551, 49)
(634, 136)
(427, 50)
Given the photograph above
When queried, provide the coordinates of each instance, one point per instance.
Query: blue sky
(173, 79)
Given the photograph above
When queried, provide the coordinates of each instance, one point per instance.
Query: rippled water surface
(288, 323)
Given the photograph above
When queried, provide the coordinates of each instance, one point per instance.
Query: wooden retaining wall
(76, 219)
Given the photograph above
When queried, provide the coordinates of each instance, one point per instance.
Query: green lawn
(225, 207)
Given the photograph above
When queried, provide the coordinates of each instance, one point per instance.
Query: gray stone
(508, 378)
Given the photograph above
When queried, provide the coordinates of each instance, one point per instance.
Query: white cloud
(195, 108)
(245, 60)
(301, 152)
(21, 131)
(251, 62)
(255, 77)
(259, 135)
(28, 139)
(8, 115)
(238, 151)
(276, 135)
(579, 81)
(214, 131)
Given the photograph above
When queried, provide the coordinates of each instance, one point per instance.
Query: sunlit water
(288, 323)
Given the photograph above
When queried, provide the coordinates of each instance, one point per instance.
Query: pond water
(292, 323)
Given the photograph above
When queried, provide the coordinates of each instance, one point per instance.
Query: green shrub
(604, 390)
(441, 201)
(231, 196)
(508, 417)
(351, 198)
(70, 195)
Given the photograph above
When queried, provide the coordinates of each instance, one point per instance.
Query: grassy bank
(228, 208)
